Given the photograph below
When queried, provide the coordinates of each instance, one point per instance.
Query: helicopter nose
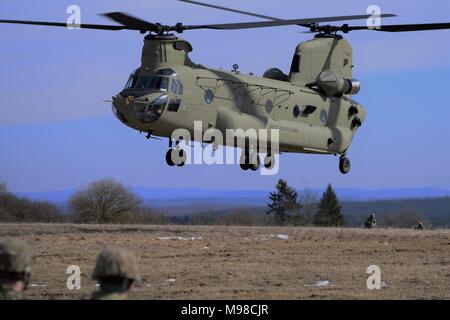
(150, 110)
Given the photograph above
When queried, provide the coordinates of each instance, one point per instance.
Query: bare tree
(21, 209)
(104, 201)
(408, 218)
(3, 188)
(148, 215)
(310, 201)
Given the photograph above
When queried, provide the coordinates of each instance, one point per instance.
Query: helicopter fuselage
(169, 92)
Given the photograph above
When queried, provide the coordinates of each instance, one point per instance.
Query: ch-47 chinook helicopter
(312, 106)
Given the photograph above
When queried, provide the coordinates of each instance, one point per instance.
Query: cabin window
(323, 116)
(175, 86)
(308, 109)
(180, 87)
(209, 96)
(240, 101)
(174, 105)
(269, 106)
(296, 111)
(295, 66)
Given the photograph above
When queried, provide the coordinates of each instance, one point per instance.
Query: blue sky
(55, 133)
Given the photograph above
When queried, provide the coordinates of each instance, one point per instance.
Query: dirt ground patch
(197, 262)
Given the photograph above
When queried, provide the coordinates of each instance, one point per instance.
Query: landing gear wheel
(344, 165)
(254, 163)
(269, 161)
(169, 158)
(244, 161)
(182, 156)
(244, 166)
(178, 157)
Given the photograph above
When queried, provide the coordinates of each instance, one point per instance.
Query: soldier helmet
(15, 257)
(115, 263)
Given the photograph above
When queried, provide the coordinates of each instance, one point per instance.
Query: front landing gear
(344, 165)
(175, 156)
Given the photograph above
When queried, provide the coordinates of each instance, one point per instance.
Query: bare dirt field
(193, 262)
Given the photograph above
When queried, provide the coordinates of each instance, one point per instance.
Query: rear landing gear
(344, 165)
(269, 161)
(249, 161)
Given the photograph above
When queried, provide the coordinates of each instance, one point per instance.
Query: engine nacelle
(275, 74)
(332, 84)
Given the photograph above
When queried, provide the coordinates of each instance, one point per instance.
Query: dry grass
(243, 262)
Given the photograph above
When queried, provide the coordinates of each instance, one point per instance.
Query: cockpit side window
(158, 83)
(132, 80)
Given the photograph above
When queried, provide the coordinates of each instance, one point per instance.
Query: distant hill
(169, 196)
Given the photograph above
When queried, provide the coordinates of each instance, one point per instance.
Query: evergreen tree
(284, 205)
(329, 210)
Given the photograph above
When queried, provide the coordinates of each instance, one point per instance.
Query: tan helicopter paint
(320, 54)
(240, 100)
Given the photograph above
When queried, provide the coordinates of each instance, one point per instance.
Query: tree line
(108, 201)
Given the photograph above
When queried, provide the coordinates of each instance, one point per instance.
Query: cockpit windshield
(132, 80)
(158, 81)
(152, 82)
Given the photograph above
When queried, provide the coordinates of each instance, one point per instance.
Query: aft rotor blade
(230, 10)
(66, 25)
(132, 22)
(403, 27)
(278, 23)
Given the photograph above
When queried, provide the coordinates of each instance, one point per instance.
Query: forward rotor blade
(230, 10)
(65, 25)
(404, 27)
(132, 22)
(278, 23)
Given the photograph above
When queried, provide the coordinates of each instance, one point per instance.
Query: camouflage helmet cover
(15, 256)
(115, 262)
